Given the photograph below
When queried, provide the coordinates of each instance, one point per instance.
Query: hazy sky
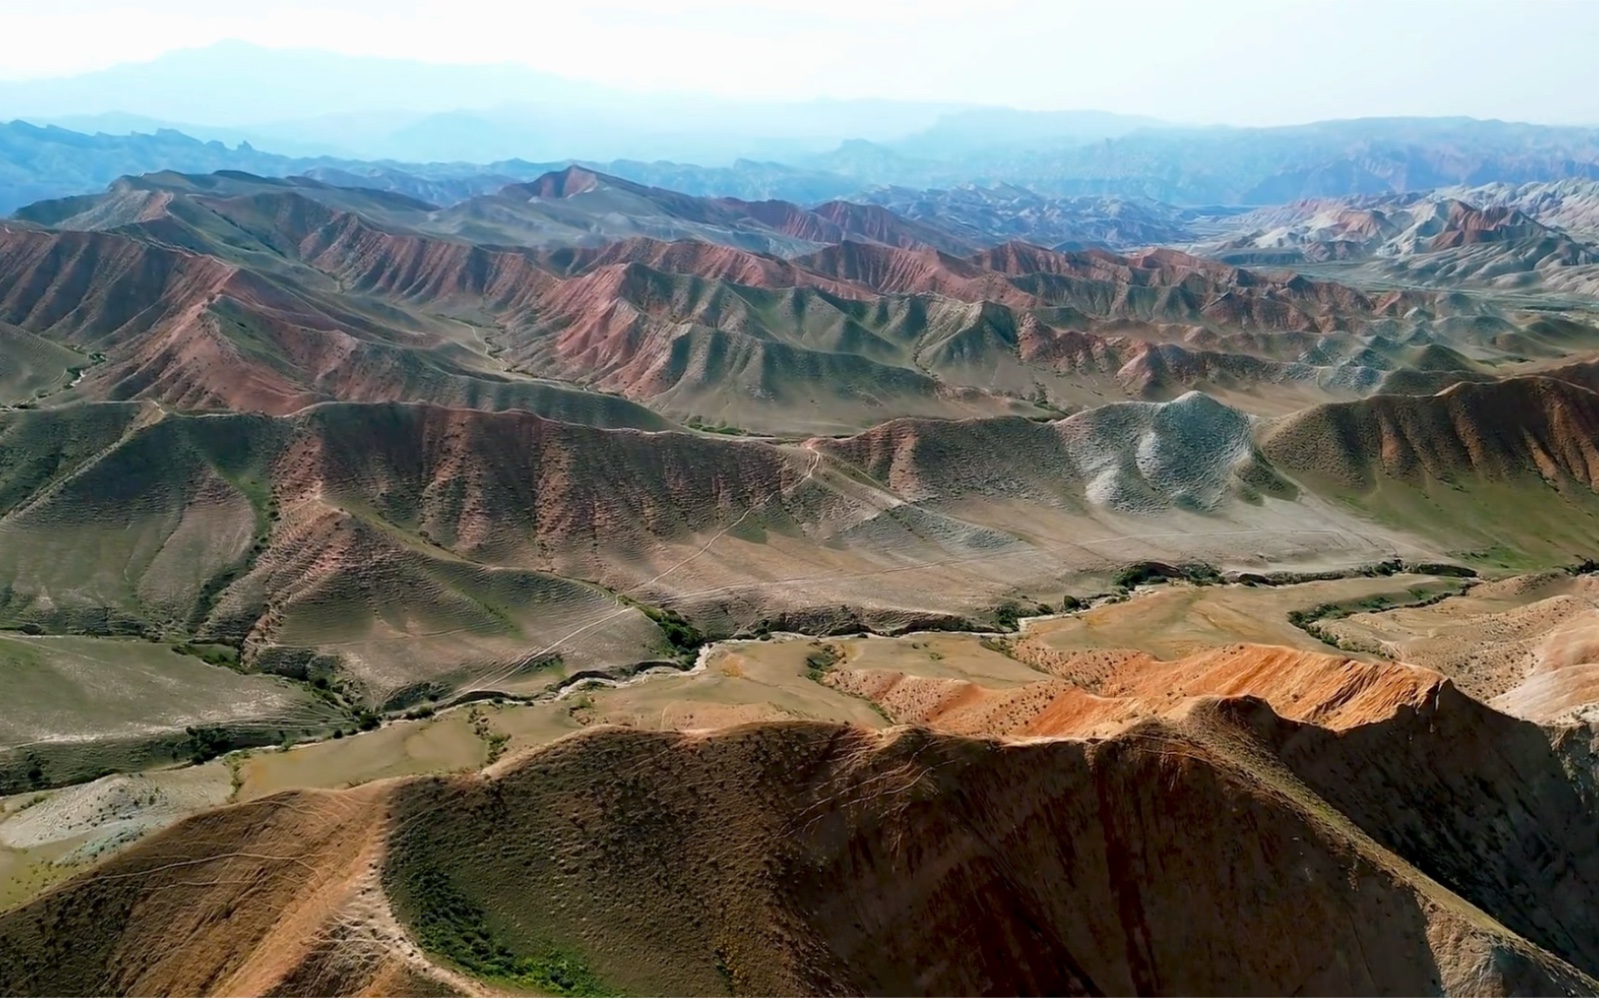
(1237, 61)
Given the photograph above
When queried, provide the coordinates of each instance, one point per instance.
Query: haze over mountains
(947, 550)
(513, 124)
(397, 109)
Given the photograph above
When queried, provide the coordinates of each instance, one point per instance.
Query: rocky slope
(1150, 858)
(415, 548)
(1442, 238)
(988, 215)
(1538, 426)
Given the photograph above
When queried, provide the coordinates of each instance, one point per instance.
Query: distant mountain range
(37, 163)
(313, 102)
(1535, 235)
(452, 124)
(1184, 167)
(308, 102)
(1249, 166)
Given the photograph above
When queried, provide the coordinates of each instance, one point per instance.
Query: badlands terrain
(578, 586)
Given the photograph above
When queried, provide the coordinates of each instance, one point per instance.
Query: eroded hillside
(402, 598)
(1100, 853)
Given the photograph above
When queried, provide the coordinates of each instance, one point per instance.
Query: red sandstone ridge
(364, 296)
(1099, 689)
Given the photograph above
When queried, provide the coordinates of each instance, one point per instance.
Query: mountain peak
(567, 183)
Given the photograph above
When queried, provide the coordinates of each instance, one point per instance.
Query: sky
(1244, 62)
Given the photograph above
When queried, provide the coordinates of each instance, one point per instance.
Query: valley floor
(47, 836)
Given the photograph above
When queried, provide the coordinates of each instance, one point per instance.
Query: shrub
(1008, 615)
(819, 662)
(683, 640)
(205, 743)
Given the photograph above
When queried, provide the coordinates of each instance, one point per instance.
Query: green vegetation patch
(1008, 616)
(716, 428)
(824, 658)
(213, 654)
(1310, 619)
(494, 741)
(1140, 573)
(682, 639)
(451, 925)
(206, 742)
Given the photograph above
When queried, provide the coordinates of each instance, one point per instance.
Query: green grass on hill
(78, 707)
(32, 367)
(451, 925)
(1516, 526)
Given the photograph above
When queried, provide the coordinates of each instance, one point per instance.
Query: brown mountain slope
(1166, 856)
(1193, 453)
(422, 550)
(1540, 427)
(1350, 708)
(269, 896)
(1503, 469)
